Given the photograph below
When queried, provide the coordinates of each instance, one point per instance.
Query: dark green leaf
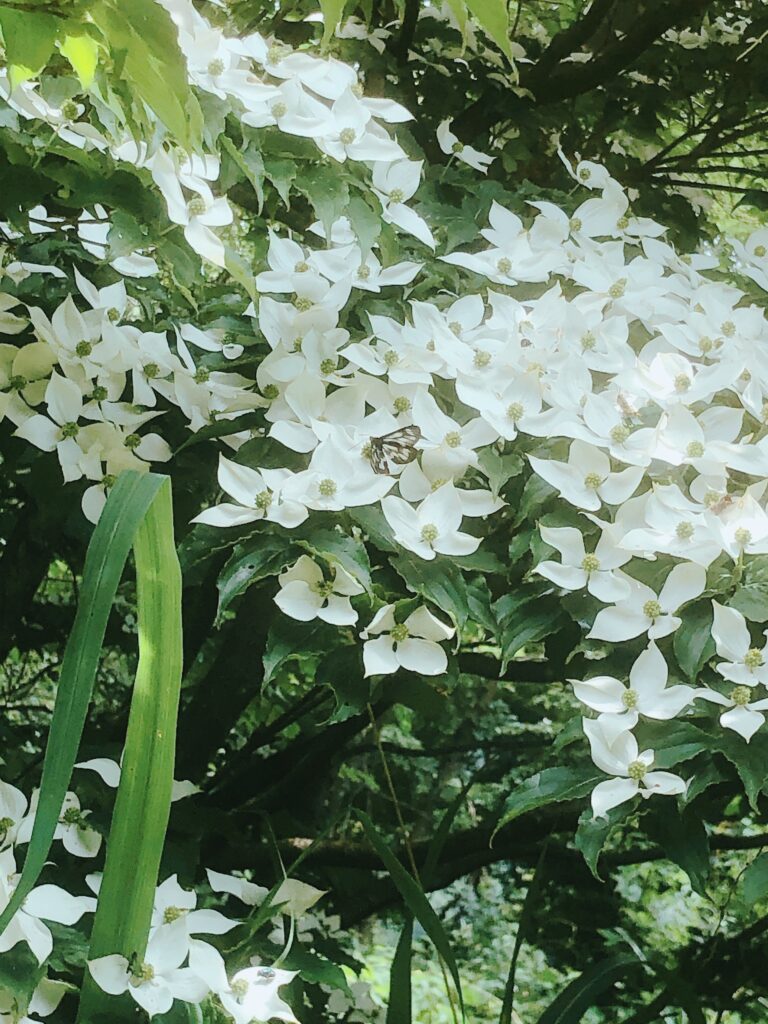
(582, 993)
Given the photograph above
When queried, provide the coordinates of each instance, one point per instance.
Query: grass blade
(416, 901)
(143, 803)
(125, 509)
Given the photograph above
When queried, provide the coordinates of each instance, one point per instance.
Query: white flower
(578, 569)
(305, 594)
(745, 715)
(615, 751)
(744, 664)
(172, 903)
(647, 693)
(159, 979)
(413, 644)
(76, 835)
(13, 807)
(586, 479)
(433, 527)
(252, 995)
(248, 892)
(449, 143)
(46, 901)
(258, 495)
(643, 611)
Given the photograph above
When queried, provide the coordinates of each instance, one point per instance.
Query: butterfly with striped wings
(397, 447)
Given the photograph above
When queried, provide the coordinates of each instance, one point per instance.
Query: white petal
(56, 904)
(610, 794)
(685, 582)
(742, 720)
(618, 623)
(110, 973)
(422, 656)
(379, 657)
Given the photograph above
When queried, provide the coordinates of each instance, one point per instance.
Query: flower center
(622, 223)
(728, 328)
(201, 375)
(171, 914)
(619, 433)
(347, 136)
(132, 441)
(70, 430)
(324, 588)
(455, 327)
(401, 404)
(216, 67)
(630, 699)
(457, 147)
(504, 265)
(618, 288)
(742, 536)
(263, 500)
(303, 303)
(514, 411)
(652, 609)
(452, 439)
(396, 195)
(391, 358)
(636, 770)
(590, 563)
(5, 825)
(682, 382)
(429, 533)
(279, 110)
(399, 632)
(759, 251)
(270, 392)
(588, 341)
(69, 110)
(741, 695)
(328, 366)
(695, 450)
(592, 481)
(83, 348)
(481, 359)
(684, 530)
(575, 224)
(363, 272)
(142, 973)
(239, 988)
(108, 480)
(196, 206)
(17, 382)
(99, 394)
(151, 370)
(327, 487)
(753, 658)
(706, 345)
(73, 816)
(301, 267)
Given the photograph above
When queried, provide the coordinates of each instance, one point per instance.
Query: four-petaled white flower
(647, 693)
(744, 663)
(258, 495)
(641, 610)
(577, 569)
(615, 751)
(433, 527)
(586, 479)
(450, 144)
(413, 644)
(306, 594)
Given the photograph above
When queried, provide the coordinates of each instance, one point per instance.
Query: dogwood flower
(252, 995)
(433, 527)
(306, 594)
(76, 835)
(172, 903)
(577, 569)
(13, 807)
(413, 644)
(48, 902)
(159, 979)
(586, 479)
(646, 694)
(615, 751)
(258, 495)
(449, 143)
(745, 664)
(642, 610)
(745, 715)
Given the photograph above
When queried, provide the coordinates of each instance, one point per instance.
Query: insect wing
(396, 447)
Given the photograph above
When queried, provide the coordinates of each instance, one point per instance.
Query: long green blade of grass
(143, 802)
(125, 509)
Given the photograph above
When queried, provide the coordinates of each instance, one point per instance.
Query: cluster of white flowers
(178, 964)
(638, 380)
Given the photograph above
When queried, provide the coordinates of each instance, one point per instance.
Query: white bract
(306, 594)
(643, 611)
(413, 644)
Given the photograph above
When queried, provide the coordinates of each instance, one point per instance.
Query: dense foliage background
(285, 736)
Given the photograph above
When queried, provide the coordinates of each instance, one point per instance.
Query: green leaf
(327, 192)
(753, 886)
(261, 556)
(143, 802)
(693, 643)
(592, 834)
(251, 163)
(400, 1001)
(282, 174)
(499, 468)
(288, 639)
(553, 785)
(123, 513)
(151, 61)
(82, 52)
(364, 222)
(416, 901)
(29, 40)
(332, 12)
(582, 993)
(337, 547)
(493, 16)
(439, 581)
(683, 838)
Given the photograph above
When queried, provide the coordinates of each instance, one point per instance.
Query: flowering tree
(468, 471)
